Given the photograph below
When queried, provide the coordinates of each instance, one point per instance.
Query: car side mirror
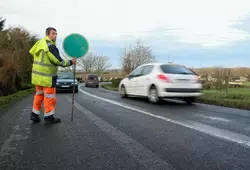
(130, 76)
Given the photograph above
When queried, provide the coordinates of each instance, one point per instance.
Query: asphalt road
(109, 132)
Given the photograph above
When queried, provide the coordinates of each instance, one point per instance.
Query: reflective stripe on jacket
(46, 61)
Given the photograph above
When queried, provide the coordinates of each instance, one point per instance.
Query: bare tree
(102, 63)
(88, 63)
(127, 61)
(2, 21)
(227, 75)
(219, 78)
(135, 56)
(222, 78)
(235, 72)
(204, 73)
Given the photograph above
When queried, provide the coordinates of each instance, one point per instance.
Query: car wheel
(190, 100)
(97, 86)
(123, 92)
(86, 85)
(153, 95)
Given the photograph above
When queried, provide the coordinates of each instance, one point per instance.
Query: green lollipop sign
(75, 46)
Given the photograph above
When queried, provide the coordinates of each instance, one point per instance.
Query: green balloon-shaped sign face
(75, 45)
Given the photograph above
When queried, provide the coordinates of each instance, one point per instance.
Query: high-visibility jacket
(46, 62)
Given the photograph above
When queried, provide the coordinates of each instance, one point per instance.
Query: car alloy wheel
(123, 92)
(153, 95)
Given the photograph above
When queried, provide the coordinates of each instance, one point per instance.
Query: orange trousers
(48, 95)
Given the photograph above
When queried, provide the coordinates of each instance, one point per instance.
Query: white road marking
(215, 118)
(209, 130)
(134, 148)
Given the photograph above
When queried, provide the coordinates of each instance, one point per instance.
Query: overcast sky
(195, 32)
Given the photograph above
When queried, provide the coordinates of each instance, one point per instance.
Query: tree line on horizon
(16, 62)
(235, 72)
(131, 58)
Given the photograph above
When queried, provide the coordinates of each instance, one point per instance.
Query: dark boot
(52, 119)
(35, 118)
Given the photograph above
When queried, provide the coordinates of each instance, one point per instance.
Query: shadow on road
(65, 92)
(163, 103)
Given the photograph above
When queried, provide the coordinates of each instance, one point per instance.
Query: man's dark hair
(49, 29)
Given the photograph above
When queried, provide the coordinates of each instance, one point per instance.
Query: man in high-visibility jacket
(44, 75)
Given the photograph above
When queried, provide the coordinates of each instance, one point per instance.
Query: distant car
(65, 82)
(79, 79)
(158, 80)
(92, 81)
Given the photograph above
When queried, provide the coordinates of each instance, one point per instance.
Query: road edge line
(142, 154)
(244, 141)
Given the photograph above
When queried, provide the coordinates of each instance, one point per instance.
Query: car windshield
(176, 69)
(92, 77)
(65, 75)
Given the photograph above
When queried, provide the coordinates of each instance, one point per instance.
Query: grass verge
(227, 102)
(5, 101)
(109, 87)
(237, 98)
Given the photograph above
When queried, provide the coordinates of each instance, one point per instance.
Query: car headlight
(75, 83)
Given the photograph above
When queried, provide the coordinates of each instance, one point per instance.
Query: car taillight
(163, 78)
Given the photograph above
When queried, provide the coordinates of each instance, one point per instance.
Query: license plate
(64, 86)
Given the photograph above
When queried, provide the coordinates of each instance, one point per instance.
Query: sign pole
(73, 94)
(75, 46)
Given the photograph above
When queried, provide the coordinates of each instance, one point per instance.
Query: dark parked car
(92, 81)
(65, 82)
